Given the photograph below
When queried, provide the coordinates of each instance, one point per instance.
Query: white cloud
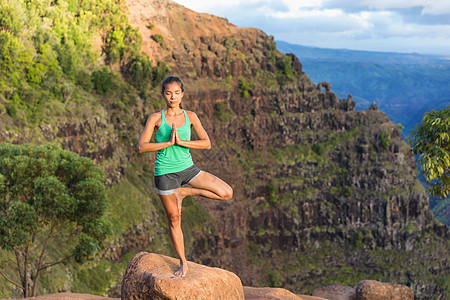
(366, 24)
(438, 7)
(301, 13)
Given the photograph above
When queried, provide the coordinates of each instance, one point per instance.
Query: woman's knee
(174, 219)
(227, 193)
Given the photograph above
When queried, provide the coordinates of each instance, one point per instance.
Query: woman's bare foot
(179, 196)
(180, 193)
(182, 270)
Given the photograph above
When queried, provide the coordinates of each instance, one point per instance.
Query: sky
(407, 26)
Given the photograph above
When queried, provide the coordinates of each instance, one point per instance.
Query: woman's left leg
(176, 234)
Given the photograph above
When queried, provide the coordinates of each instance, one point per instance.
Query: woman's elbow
(140, 150)
(208, 145)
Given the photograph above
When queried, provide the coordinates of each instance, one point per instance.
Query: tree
(430, 139)
(49, 197)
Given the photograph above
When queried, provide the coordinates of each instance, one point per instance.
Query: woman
(174, 166)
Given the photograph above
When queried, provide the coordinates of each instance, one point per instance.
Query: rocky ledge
(151, 276)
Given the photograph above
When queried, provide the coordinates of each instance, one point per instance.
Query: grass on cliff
(325, 262)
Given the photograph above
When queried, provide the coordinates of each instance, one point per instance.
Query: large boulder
(336, 292)
(375, 290)
(151, 276)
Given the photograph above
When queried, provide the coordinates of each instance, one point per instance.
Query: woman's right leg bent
(210, 186)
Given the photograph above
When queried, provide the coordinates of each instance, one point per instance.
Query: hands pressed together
(174, 137)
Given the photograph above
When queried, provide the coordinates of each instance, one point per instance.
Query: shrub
(159, 39)
(160, 72)
(12, 110)
(385, 139)
(140, 71)
(102, 80)
(272, 190)
(245, 87)
(285, 64)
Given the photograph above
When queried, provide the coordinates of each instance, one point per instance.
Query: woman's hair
(169, 80)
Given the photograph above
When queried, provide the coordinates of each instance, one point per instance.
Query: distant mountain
(404, 86)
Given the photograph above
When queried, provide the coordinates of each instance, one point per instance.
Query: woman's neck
(173, 110)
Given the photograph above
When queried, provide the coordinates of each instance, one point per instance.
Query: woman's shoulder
(157, 114)
(191, 113)
(155, 117)
(192, 116)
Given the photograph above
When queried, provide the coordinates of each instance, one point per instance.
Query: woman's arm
(144, 141)
(203, 141)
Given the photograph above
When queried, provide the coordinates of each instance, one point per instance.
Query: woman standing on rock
(174, 166)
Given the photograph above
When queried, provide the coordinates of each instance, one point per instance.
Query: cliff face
(309, 172)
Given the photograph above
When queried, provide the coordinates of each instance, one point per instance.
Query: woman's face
(173, 94)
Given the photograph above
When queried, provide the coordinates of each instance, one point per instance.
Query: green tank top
(174, 158)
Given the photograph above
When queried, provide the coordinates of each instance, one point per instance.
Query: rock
(311, 298)
(151, 276)
(324, 84)
(375, 290)
(296, 64)
(253, 293)
(373, 106)
(70, 296)
(336, 292)
(266, 293)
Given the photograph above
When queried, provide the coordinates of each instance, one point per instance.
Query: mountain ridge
(392, 80)
(365, 55)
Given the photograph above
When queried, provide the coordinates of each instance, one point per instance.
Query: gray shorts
(165, 184)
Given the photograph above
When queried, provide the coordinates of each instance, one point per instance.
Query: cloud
(427, 7)
(365, 24)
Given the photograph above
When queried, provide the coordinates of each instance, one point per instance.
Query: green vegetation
(223, 112)
(230, 44)
(245, 87)
(272, 190)
(49, 195)
(285, 65)
(385, 140)
(274, 278)
(159, 39)
(431, 141)
(102, 80)
(47, 62)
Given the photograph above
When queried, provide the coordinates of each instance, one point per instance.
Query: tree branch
(41, 257)
(11, 281)
(18, 265)
(25, 271)
(52, 264)
(44, 247)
